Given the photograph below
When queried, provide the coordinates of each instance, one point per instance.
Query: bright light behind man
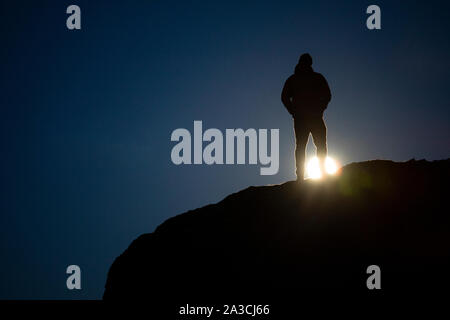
(313, 170)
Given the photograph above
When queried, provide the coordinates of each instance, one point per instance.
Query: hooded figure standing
(306, 95)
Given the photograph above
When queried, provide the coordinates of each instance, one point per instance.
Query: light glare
(313, 170)
(330, 166)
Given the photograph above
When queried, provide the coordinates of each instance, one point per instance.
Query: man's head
(305, 60)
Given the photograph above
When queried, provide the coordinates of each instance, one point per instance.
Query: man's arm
(286, 96)
(325, 96)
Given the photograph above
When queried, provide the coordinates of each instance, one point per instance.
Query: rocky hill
(318, 235)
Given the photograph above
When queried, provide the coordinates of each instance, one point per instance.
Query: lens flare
(330, 166)
(314, 171)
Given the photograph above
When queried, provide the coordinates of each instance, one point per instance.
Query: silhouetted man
(306, 95)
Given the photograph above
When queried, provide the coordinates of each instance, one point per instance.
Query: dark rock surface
(321, 235)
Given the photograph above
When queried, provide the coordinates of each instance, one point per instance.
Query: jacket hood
(301, 68)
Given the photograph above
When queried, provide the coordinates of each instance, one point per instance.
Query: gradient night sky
(86, 116)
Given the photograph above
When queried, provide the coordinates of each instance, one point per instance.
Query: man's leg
(319, 133)
(301, 139)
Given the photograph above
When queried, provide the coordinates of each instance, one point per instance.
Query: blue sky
(86, 116)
